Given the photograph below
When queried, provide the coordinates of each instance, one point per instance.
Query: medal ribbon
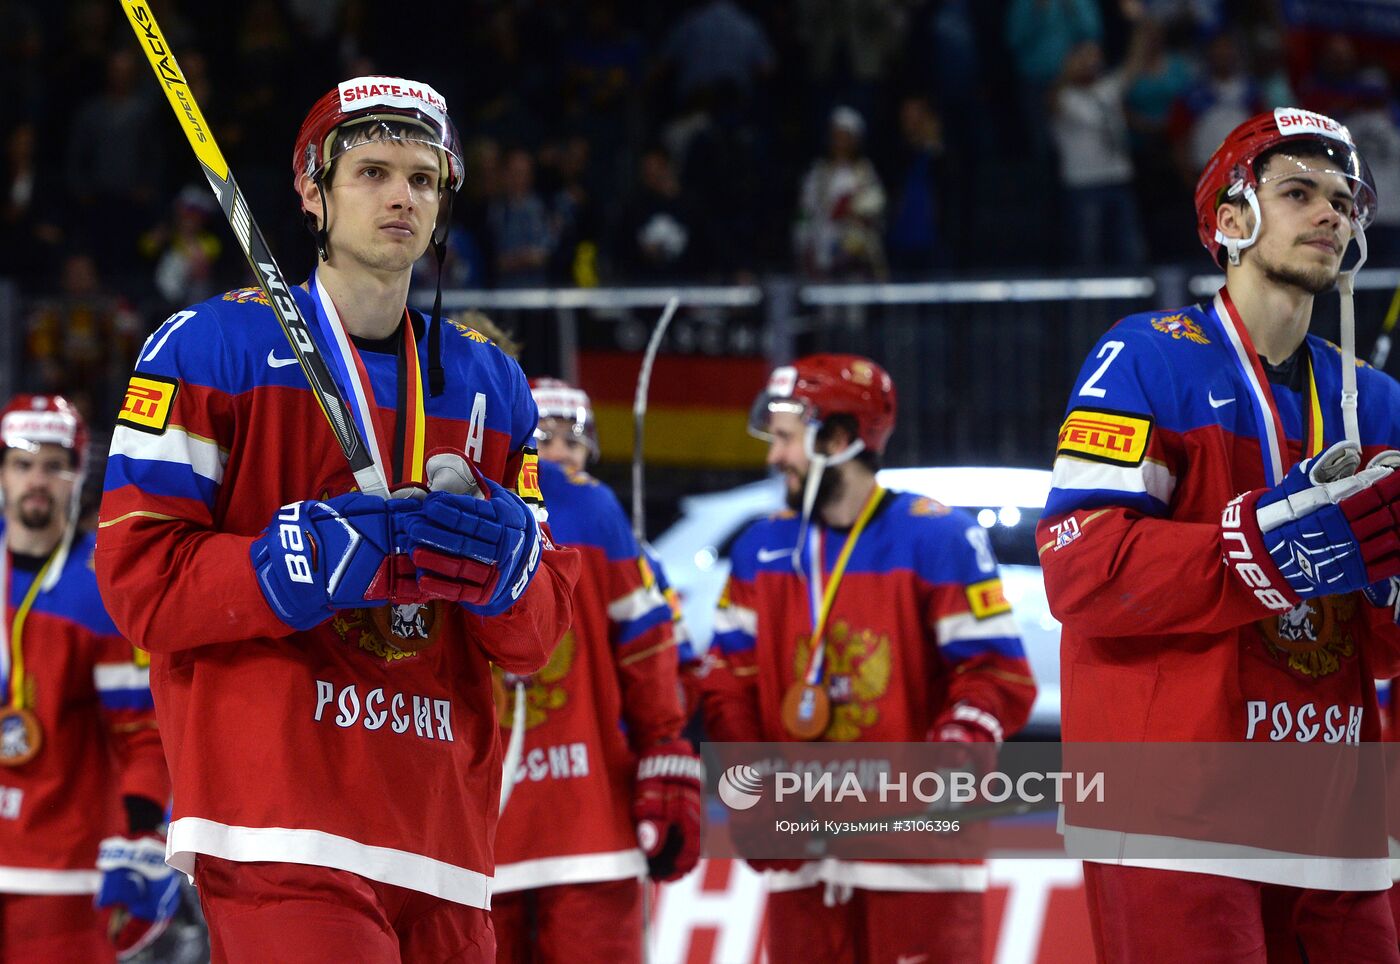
(828, 597)
(350, 373)
(1266, 416)
(14, 653)
(1316, 437)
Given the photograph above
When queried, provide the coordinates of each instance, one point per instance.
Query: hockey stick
(1381, 350)
(250, 239)
(639, 415)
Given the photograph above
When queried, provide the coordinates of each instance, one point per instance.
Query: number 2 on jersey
(1111, 349)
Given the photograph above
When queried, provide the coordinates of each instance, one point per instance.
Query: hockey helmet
(557, 399)
(367, 109)
(29, 421)
(1232, 175)
(819, 386)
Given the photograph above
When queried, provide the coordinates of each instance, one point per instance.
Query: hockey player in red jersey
(918, 643)
(80, 757)
(602, 734)
(1220, 544)
(321, 656)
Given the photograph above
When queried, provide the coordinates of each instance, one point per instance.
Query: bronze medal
(408, 627)
(806, 710)
(20, 736)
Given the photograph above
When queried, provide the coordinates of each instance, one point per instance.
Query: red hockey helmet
(406, 111)
(29, 421)
(1231, 173)
(559, 400)
(819, 386)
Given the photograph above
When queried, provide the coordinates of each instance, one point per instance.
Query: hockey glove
(138, 894)
(481, 552)
(318, 557)
(1319, 532)
(668, 810)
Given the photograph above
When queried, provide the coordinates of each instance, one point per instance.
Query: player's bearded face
(36, 485)
(1307, 224)
(383, 200)
(787, 453)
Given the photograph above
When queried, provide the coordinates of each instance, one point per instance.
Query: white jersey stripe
(174, 445)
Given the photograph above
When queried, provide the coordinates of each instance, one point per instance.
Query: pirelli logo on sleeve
(986, 598)
(527, 483)
(1114, 437)
(148, 401)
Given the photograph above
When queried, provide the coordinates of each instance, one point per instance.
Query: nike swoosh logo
(768, 555)
(1217, 402)
(912, 959)
(275, 362)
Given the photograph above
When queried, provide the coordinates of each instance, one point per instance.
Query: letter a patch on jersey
(146, 407)
(1105, 436)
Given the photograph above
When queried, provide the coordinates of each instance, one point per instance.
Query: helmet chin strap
(1234, 246)
(1346, 287)
(819, 462)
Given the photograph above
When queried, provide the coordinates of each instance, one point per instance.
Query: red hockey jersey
(919, 631)
(1174, 415)
(323, 747)
(90, 692)
(608, 691)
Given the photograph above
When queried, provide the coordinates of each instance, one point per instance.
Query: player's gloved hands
(320, 556)
(668, 808)
(479, 551)
(1319, 532)
(139, 891)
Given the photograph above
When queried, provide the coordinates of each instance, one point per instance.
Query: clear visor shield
(393, 129)
(765, 406)
(579, 430)
(1333, 168)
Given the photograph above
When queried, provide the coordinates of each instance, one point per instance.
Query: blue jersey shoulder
(75, 597)
(585, 512)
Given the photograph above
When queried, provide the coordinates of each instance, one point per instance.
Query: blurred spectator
(1040, 35)
(716, 43)
(661, 235)
(1164, 74)
(1271, 69)
(850, 44)
(114, 165)
(1334, 86)
(916, 242)
(520, 235)
(841, 207)
(185, 250)
(1225, 97)
(1096, 169)
(81, 343)
(573, 217)
(29, 241)
(462, 265)
(1375, 127)
(482, 160)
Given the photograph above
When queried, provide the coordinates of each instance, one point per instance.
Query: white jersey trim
(965, 626)
(574, 869)
(189, 836)
(174, 445)
(1150, 478)
(1230, 860)
(734, 618)
(883, 875)
(636, 604)
(121, 676)
(31, 880)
